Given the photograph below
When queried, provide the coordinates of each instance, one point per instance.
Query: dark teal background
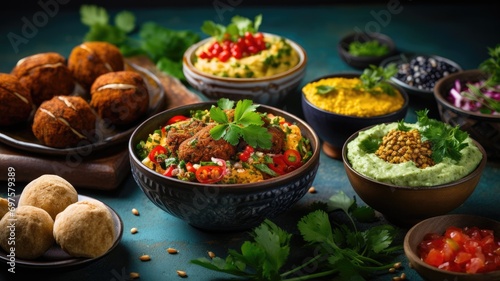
(459, 32)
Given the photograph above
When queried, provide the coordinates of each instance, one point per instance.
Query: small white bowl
(267, 90)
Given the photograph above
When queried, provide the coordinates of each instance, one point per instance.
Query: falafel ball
(90, 60)
(202, 147)
(120, 97)
(64, 121)
(15, 101)
(45, 75)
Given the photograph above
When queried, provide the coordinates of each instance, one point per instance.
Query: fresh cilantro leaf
(364, 214)
(246, 124)
(402, 126)
(125, 21)
(218, 115)
(324, 89)
(340, 201)
(93, 15)
(235, 29)
(225, 103)
(315, 227)
(370, 145)
(446, 141)
(378, 238)
(375, 77)
(170, 67)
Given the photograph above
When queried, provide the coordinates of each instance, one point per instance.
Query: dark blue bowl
(334, 129)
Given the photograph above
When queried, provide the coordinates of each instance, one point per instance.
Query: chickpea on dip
(239, 50)
(415, 163)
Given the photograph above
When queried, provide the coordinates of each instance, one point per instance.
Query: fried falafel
(64, 121)
(45, 75)
(15, 101)
(90, 60)
(120, 97)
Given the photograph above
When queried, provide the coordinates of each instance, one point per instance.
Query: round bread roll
(85, 229)
(45, 75)
(64, 121)
(89, 60)
(33, 232)
(15, 101)
(120, 97)
(49, 192)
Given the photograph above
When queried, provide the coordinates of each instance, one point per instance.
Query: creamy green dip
(407, 174)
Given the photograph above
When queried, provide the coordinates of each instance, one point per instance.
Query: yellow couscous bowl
(335, 117)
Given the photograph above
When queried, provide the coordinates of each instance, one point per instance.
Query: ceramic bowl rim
(350, 117)
(344, 42)
(189, 53)
(413, 257)
(440, 98)
(243, 187)
(477, 171)
(408, 56)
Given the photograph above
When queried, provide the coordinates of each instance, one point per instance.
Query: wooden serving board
(101, 172)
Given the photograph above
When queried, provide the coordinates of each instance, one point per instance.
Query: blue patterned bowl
(222, 207)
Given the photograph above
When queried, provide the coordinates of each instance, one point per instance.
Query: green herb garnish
(370, 145)
(246, 124)
(374, 79)
(237, 28)
(446, 141)
(340, 253)
(165, 47)
(371, 48)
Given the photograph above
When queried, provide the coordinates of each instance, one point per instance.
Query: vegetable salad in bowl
(227, 144)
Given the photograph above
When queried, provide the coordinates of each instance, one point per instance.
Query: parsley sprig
(374, 79)
(164, 46)
(446, 141)
(246, 124)
(341, 252)
(237, 28)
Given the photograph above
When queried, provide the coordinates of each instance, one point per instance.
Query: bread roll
(85, 229)
(49, 192)
(33, 232)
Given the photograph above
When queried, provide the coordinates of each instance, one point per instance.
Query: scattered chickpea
(403, 276)
(134, 275)
(392, 270)
(181, 273)
(134, 230)
(172, 251)
(211, 254)
(312, 189)
(145, 258)
(396, 278)
(135, 211)
(397, 265)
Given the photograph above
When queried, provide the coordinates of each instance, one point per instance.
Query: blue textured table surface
(461, 33)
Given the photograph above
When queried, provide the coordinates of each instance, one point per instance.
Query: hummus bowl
(222, 207)
(271, 90)
(408, 203)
